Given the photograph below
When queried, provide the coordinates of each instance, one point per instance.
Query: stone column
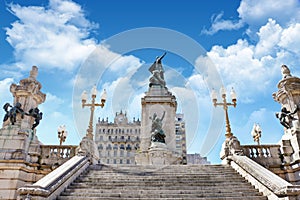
(157, 100)
(288, 95)
(19, 146)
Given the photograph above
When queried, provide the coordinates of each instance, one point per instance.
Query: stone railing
(266, 155)
(50, 186)
(55, 155)
(264, 180)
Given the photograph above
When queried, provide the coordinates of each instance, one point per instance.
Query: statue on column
(12, 113)
(157, 134)
(157, 71)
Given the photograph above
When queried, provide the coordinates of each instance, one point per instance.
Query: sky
(111, 44)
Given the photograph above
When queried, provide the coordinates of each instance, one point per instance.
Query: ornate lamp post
(225, 105)
(256, 133)
(62, 134)
(93, 104)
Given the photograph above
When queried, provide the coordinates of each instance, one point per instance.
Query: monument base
(158, 154)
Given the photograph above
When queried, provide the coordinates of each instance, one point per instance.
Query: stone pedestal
(157, 100)
(159, 154)
(88, 147)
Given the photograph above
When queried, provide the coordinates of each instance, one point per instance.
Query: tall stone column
(158, 138)
(19, 146)
(288, 95)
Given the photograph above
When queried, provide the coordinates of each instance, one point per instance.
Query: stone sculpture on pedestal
(158, 139)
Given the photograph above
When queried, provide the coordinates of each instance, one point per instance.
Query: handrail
(50, 186)
(267, 182)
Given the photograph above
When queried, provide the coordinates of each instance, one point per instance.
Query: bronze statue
(37, 115)
(285, 117)
(157, 72)
(12, 113)
(157, 134)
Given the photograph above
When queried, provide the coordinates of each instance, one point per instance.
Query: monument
(158, 139)
(20, 147)
(289, 115)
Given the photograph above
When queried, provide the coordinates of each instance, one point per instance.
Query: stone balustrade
(55, 155)
(50, 186)
(266, 155)
(265, 181)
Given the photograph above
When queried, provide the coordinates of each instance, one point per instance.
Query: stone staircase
(210, 182)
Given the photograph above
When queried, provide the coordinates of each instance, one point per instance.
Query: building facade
(196, 159)
(181, 137)
(118, 141)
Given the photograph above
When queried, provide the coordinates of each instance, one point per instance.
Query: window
(115, 161)
(122, 146)
(115, 153)
(115, 147)
(128, 161)
(122, 153)
(107, 161)
(121, 161)
(108, 147)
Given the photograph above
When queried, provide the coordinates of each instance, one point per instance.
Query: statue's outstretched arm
(163, 115)
(161, 57)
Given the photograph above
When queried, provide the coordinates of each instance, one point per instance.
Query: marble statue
(157, 71)
(157, 134)
(12, 113)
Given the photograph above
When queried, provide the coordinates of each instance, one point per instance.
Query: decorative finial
(34, 72)
(285, 71)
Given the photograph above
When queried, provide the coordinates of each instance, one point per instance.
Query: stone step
(161, 172)
(153, 190)
(158, 178)
(128, 185)
(171, 188)
(158, 195)
(210, 182)
(191, 198)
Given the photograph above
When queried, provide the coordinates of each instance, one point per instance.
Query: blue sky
(77, 44)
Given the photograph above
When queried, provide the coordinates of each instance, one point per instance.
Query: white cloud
(52, 37)
(6, 96)
(253, 67)
(269, 36)
(256, 13)
(290, 38)
(219, 24)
